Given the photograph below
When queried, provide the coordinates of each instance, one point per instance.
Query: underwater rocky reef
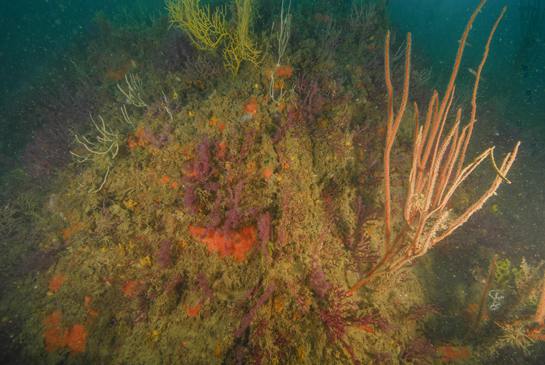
(251, 183)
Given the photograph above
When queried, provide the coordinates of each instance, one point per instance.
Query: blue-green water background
(36, 36)
(36, 39)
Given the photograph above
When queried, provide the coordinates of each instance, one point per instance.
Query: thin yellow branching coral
(236, 52)
(208, 31)
(242, 46)
(204, 30)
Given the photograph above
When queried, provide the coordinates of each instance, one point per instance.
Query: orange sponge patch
(233, 243)
(251, 106)
(67, 233)
(55, 338)
(75, 338)
(56, 282)
(193, 312)
(54, 335)
(453, 353)
(268, 172)
(283, 72)
(131, 288)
